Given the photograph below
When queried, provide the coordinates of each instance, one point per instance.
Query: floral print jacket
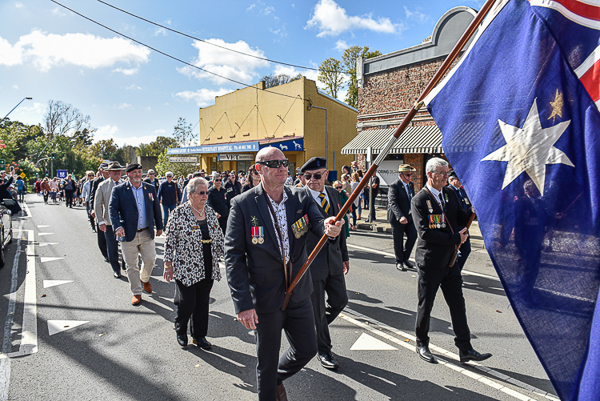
(183, 245)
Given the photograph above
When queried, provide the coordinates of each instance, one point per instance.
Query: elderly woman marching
(193, 247)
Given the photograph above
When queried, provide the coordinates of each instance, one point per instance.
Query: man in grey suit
(265, 247)
(331, 263)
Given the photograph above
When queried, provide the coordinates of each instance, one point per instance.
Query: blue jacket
(124, 213)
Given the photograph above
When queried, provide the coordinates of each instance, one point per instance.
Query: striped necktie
(324, 203)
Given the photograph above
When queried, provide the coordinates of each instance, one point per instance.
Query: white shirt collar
(434, 192)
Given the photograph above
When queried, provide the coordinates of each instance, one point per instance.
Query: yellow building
(295, 117)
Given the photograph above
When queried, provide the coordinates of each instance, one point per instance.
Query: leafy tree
(157, 147)
(105, 148)
(349, 65)
(182, 132)
(164, 165)
(276, 80)
(331, 75)
(84, 137)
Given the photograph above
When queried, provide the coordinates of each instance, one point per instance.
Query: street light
(25, 98)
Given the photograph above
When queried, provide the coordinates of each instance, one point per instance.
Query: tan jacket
(102, 200)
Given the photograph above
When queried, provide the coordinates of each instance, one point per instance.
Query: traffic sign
(61, 173)
(22, 175)
(2, 163)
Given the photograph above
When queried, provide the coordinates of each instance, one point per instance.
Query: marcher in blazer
(438, 215)
(331, 263)
(455, 185)
(258, 275)
(101, 205)
(134, 211)
(399, 216)
(93, 188)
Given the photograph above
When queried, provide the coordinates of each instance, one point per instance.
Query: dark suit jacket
(255, 271)
(462, 197)
(435, 246)
(154, 182)
(329, 261)
(93, 187)
(124, 213)
(398, 201)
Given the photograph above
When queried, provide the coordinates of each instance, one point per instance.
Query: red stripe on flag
(591, 81)
(585, 10)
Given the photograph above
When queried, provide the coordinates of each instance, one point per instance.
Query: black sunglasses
(316, 176)
(217, 180)
(338, 187)
(201, 193)
(275, 163)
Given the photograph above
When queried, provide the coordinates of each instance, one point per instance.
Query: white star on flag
(530, 148)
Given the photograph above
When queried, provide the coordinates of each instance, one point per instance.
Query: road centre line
(373, 326)
(391, 255)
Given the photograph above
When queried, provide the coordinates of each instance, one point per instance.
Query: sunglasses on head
(275, 163)
(316, 176)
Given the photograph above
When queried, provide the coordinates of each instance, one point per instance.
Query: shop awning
(421, 139)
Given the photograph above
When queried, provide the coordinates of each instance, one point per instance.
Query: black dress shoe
(328, 361)
(182, 339)
(280, 394)
(106, 260)
(400, 266)
(410, 264)
(425, 354)
(472, 355)
(116, 275)
(202, 342)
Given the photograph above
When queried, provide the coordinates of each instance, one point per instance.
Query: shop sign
(235, 157)
(219, 148)
(183, 159)
(287, 146)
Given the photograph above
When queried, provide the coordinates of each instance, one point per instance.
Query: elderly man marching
(134, 212)
(265, 247)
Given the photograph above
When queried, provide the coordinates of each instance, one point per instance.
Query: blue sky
(133, 94)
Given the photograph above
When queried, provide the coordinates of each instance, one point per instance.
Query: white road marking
(47, 243)
(44, 234)
(391, 255)
(369, 343)
(45, 259)
(449, 357)
(44, 226)
(58, 326)
(54, 283)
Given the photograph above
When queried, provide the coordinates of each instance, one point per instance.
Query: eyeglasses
(201, 193)
(275, 163)
(442, 173)
(316, 176)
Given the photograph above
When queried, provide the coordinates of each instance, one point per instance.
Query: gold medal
(261, 240)
(254, 240)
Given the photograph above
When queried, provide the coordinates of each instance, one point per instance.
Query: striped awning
(421, 139)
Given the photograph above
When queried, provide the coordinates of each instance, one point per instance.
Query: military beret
(314, 163)
(133, 166)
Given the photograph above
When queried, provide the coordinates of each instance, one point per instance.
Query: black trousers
(69, 197)
(450, 281)
(102, 242)
(403, 251)
(298, 324)
(192, 304)
(337, 299)
(112, 247)
(463, 254)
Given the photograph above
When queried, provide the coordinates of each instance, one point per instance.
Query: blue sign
(219, 148)
(61, 173)
(287, 146)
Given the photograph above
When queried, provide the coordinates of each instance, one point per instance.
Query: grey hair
(194, 183)
(215, 175)
(434, 163)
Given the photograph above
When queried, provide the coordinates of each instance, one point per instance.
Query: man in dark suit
(438, 215)
(455, 184)
(265, 247)
(93, 188)
(134, 212)
(328, 268)
(400, 194)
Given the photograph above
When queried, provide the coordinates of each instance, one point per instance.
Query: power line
(170, 56)
(207, 42)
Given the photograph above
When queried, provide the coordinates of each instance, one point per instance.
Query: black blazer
(329, 261)
(255, 271)
(398, 201)
(435, 246)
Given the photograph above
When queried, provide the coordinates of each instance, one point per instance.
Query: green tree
(349, 65)
(280, 79)
(104, 148)
(331, 74)
(182, 132)
(157, 147)
(164, 165)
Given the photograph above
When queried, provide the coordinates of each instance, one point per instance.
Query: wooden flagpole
(407, 119)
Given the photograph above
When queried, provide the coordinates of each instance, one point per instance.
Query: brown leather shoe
(136, 300)
(280, 393)
(147, 287)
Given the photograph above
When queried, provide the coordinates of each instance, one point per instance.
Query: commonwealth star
(529, 149)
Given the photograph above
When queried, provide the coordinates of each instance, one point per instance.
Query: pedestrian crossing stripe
(54, 283)
(42, 234)
(45, 259)
(369, 343)
(58, 326)
(43, 226)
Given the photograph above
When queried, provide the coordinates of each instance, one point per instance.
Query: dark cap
(314, 163)
(133, 166)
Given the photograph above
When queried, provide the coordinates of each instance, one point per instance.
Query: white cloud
(224, 62)
(160, 31)
(292, 72)
(160, 131)
(127, 71)
(134, 87)
(45, 51)
(58, 12)
(416, 15)
(105, 132)
(16, 87)
(332, 20)
(134, 140)
(203, 97)
(19, 5)
(341, 45)
(124, 106)
(37, 109)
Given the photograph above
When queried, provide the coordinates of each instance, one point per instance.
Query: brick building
(388, 87)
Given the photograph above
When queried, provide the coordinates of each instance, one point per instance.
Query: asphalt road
(71, 333)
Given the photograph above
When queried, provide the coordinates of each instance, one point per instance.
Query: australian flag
(519, 116)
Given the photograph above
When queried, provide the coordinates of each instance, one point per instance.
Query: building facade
(389, 85)
(295, 117)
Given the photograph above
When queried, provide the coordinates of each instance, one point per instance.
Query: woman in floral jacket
(193, 247)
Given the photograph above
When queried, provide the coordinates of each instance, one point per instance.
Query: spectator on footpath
(252, 179)
(356, 209)
(20, 184)
(135, 211)
(38, 187)
(193, 247)
(5, 194)
(169, 195)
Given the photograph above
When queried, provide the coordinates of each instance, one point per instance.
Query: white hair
(434, 163)
(194, 183)
(169, 173)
